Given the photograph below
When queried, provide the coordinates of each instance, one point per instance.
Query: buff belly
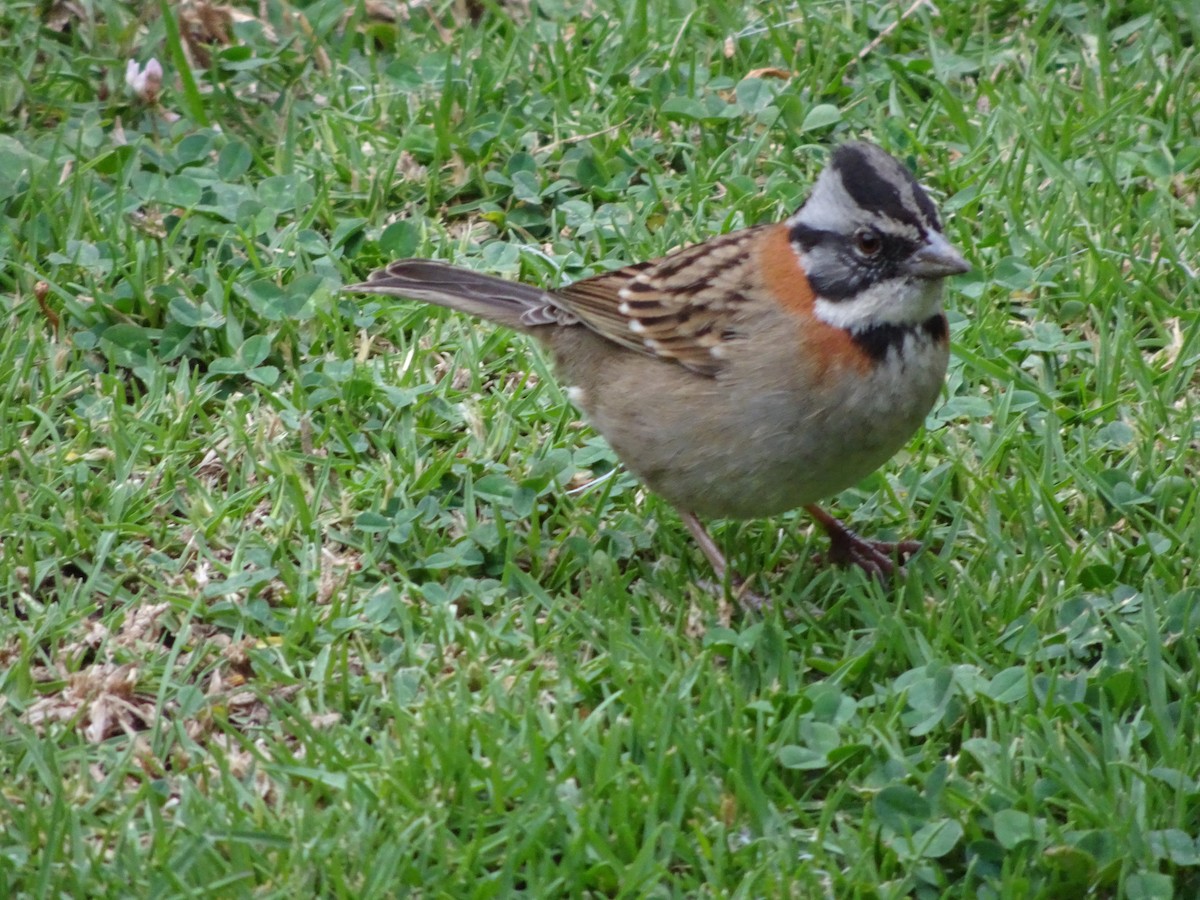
(724, 449)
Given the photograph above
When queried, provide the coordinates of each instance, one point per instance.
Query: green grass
(297, 599)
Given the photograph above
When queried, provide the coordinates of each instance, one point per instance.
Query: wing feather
(681, 307)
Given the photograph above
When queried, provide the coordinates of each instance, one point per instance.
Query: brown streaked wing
(680, 307)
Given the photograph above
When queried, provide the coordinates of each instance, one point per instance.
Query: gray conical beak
(937, 258)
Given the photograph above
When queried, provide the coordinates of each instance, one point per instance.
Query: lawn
(313, 594)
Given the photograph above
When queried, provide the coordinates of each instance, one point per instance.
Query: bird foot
(879, 559)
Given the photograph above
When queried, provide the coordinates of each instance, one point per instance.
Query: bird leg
(878, 558)
(707, 545)
(746, 597)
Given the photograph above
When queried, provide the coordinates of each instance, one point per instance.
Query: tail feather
(510, 303)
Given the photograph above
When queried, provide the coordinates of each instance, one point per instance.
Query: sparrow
(756, 372)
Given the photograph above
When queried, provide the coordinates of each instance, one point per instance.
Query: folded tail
(510, 303)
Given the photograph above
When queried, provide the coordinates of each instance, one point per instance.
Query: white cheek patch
(577, 395)
(897, 301)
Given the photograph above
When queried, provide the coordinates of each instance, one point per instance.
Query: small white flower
(144, 81)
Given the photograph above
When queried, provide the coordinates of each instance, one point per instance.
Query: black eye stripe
(843, 272)
(806, 237)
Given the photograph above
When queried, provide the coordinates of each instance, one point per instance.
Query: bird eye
(867, 241)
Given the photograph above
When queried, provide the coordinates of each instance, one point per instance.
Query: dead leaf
(770, 72)
(102, 699)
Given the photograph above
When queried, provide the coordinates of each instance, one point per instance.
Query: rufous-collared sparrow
(758, 371)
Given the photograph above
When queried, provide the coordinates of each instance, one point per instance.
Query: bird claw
(879, 559)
